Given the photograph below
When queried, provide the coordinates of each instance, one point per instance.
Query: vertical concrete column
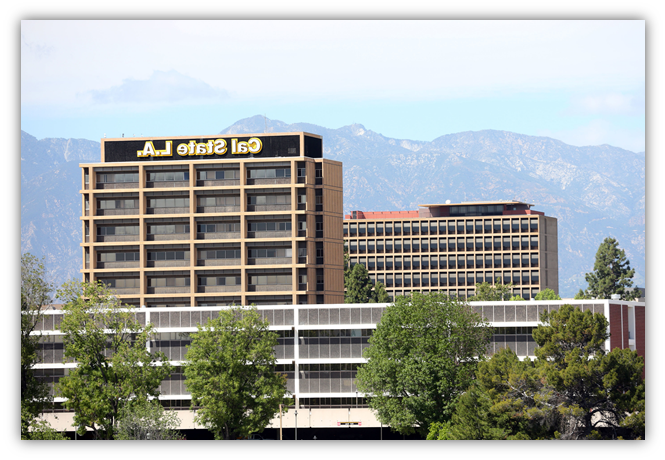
(143, 255)
(193, 283)
(243, 232)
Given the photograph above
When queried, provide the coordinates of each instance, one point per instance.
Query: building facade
(219, 220)
(320, 348)
(451, 247)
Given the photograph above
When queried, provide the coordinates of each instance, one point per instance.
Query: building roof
(474, 203)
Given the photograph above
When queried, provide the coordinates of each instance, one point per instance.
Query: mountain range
(593, 191)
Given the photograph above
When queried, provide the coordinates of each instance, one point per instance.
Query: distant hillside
(594, 192)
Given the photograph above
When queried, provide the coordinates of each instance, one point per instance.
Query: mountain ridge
(594, 191)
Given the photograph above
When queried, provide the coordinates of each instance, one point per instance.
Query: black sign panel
(210, 148)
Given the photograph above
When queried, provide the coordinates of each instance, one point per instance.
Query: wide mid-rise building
(214, 220)
(450, 247)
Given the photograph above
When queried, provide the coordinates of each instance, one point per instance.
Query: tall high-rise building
(214, 220)
(451, 247)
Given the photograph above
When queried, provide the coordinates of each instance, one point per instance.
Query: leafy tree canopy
(581, 295)
(35, 296)
(147, 420)
(611, 273)
(574, 390)
(593, 388)
(231, 374)
(421, 357)
(360, 289)
(113, 364)
(547, 294)
(488, 292)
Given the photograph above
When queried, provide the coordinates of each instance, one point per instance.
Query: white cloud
(337, 59)
(612, 103)
(160, 88)
(599, 132)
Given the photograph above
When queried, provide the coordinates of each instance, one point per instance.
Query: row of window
(230, 280)
(181, 176)
(203, 255)
(170, 229)
(487, 260)
(229, 201)
(442, 244)
(456, 278)
(442, 226)
(313, 333)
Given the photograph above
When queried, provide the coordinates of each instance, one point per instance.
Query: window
(113, 178)
(268, 226)
(263, 280)
(220, 254)
(117, 256)
(219, 201)
(219, 280)
(168, 229)
(267, 200)
(168, 282)
(168, 255)
(224, 174)
(269, 173)
(231, 227)
(269, 253)
(168, 202)
(121, 283)
(167, 176)
(119, 230)
(117, 204)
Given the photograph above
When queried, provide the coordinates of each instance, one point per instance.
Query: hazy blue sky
(582, 82)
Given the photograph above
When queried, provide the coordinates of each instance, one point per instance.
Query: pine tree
(358, 285)
(612, 273)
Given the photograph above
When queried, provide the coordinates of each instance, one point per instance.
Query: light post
(296, 412)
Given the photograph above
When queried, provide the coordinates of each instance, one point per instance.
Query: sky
(579, 81)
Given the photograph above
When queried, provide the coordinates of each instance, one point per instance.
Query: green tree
(594, 388)
(35, 296)
(113, 364)
(380, 295)
(147, 420)
(572, 390)
(421, 357)
(358, 285)
(508, 400)
(517, 298)
(581, 295)
(547, 294)
(231, 374)
(488, 292)
(611, 273)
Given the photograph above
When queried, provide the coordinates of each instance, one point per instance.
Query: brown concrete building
(451, 247)
(214, 220)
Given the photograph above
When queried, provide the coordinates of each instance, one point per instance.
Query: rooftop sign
(209, 148)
